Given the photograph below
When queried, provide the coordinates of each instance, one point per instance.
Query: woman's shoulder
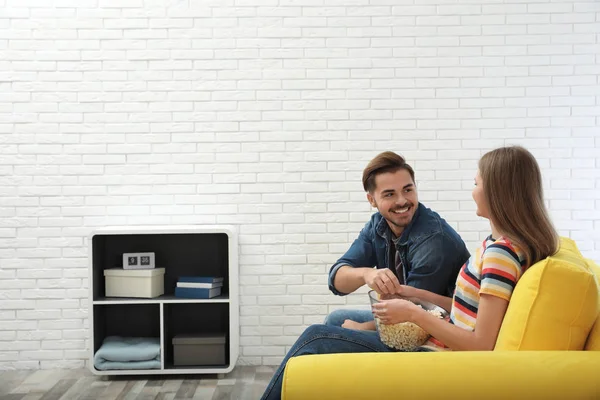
(489, 243)
(502, 241)
(504, 246)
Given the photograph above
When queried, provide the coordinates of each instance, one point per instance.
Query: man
(411, 246)
(417, 254)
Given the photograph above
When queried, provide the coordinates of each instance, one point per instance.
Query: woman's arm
(442, 301)
(489, 320)
(500, 271)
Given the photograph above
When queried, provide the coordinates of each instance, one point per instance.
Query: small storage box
(199, 349)
(146, 283)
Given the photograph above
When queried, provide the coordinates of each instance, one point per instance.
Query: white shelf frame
(232, 298)
(160, 300)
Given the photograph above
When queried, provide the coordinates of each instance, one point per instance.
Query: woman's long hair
(512, 184)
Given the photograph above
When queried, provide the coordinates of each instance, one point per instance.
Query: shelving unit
(182, 251)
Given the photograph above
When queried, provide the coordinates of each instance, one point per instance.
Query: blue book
(199, 285)
(194, 293)
(200, 279)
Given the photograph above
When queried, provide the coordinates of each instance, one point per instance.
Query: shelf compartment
(195, 318)
(127, 320)
(184, 254)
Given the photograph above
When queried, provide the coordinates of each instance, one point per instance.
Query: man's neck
(396, 231)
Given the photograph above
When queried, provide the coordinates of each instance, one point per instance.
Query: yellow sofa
(548, 348)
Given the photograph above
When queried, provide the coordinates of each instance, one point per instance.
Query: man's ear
(371, 200)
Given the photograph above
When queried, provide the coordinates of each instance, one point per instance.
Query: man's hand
(383, 281)
(358, 326)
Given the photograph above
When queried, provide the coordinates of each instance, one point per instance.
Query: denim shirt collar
(383, 229)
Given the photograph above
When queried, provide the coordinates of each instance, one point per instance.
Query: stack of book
(198, 287)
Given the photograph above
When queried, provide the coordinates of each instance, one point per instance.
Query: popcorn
(404, 336)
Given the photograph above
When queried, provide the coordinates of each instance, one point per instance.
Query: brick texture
(262, 113)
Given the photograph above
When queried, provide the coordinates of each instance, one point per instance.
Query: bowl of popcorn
(405, 336)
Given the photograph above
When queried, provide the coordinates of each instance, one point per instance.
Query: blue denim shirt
(431, 251)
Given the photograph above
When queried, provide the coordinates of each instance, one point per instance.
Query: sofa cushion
(593, 341)
(553, 306)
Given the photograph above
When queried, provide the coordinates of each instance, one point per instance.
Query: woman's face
(479, 197)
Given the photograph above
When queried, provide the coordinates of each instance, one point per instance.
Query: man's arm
(383, 280)
(347, 274)
(348, 279)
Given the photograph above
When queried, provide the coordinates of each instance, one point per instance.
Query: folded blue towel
(103, 365)
(119, 352)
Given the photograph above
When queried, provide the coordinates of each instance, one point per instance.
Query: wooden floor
(243, 383)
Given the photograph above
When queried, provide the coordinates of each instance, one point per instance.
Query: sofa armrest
(494, 375)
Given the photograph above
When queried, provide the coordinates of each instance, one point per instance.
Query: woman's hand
(395, 311)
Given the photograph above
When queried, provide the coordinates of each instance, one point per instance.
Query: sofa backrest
(554, 304)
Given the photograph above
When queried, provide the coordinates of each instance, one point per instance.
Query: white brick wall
(262, 113)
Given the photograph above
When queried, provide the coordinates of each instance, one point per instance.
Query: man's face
(395, 196)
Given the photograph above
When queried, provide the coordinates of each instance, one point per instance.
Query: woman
(508, 192)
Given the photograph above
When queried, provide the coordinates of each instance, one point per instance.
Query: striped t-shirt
(494, 270)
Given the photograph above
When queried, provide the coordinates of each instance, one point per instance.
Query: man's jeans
(326, 339)
(337, 317)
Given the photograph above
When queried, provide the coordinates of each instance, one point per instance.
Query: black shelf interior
(128, 320)
(186, 254)
(193, 318)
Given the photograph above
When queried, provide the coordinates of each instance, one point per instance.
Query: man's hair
(512, 185)
(388, 161)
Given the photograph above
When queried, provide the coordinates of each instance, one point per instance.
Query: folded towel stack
(119, 352)
(199, 287)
